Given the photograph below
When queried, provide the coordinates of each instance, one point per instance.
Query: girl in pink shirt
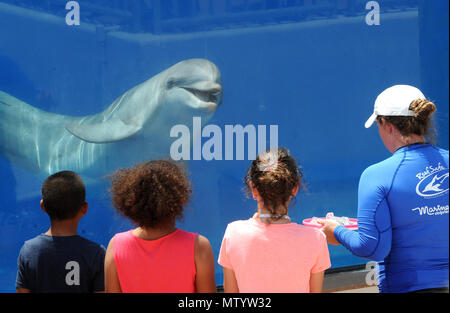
(156, 256)
(269, 253)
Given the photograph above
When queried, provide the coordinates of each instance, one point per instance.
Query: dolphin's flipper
(103, 132)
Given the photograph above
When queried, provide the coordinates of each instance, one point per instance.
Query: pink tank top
(166, 264)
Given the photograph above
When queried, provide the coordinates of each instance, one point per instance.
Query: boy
(60, 260)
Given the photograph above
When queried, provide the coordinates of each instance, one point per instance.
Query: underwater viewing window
(94, 86)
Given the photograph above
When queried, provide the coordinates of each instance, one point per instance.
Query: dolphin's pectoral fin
(103, 132)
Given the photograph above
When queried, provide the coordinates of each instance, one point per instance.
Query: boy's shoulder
(45, 242)
(91, 244)
(36, 242)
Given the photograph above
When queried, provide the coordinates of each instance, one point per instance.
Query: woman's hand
(328, 230)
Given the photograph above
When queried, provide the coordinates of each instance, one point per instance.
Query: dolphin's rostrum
(134, 128)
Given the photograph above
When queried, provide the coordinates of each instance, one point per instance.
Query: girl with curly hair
(156, 256)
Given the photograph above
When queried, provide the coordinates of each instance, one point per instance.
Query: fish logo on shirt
(433, 183)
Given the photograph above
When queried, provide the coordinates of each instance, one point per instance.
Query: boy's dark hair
(63, 195)
(151, 194)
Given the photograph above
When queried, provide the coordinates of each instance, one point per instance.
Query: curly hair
(151, 194)
(274, 174)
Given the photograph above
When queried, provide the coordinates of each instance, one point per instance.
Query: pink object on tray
(311, 223)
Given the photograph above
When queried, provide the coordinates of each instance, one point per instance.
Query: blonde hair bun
(422, 108)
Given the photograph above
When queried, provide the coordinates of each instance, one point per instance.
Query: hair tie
(272, 166)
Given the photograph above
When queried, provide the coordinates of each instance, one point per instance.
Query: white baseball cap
(395, 101)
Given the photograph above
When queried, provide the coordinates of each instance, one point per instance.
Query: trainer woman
(403, 200)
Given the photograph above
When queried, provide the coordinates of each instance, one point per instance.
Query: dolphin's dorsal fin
(103, 132)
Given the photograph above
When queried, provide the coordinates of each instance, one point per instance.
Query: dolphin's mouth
(212, 95)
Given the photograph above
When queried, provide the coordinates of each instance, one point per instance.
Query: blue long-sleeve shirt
(403, 220)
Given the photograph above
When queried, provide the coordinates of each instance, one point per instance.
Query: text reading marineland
(435, 210)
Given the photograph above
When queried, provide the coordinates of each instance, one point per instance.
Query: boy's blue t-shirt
(403, 220)
(61, 264)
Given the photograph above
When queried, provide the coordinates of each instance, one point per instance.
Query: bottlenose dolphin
(134, 128)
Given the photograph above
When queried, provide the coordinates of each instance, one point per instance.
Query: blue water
(313, 68)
